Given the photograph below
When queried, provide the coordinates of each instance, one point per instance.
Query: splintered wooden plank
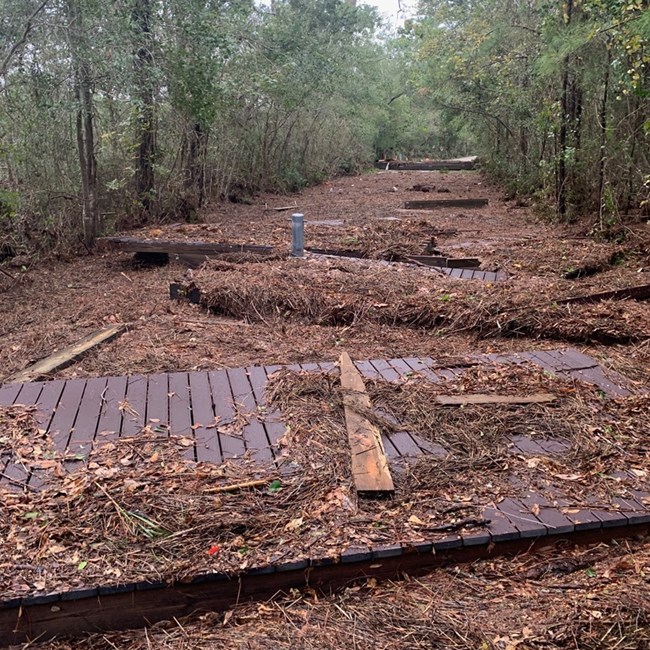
(68, 355)
(369, 462)
(463, 400)
(206, 438)
(445, 203)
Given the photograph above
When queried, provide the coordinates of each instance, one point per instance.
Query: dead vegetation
(140, 508)
(346, 292)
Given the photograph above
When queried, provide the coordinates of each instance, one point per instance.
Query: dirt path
(55, 304)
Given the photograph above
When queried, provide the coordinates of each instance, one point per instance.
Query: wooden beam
(178, 247)
(369, 462)
(449, 262)
(445, 203)
(635, 293)
(428, 165)
(66, 356)
(125, 607)
(464, 400)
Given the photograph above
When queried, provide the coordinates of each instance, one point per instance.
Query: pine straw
(139, 510)
(588, 598)
(344, 292)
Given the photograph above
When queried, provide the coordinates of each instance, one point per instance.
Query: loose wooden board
(463, 400)
(66, 356)
(445, 203)
(369, 461)
(449, 262)
(137, 245)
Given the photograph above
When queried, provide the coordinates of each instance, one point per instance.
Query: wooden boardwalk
(203, 405)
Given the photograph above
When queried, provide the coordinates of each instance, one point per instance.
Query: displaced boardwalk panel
(66, 356)
(142, 245)
(369, 462)
(634, 293)
(426, 165)
(445, 203)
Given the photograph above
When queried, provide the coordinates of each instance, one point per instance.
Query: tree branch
(23, 39)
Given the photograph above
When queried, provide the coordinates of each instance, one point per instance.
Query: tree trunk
(84, 125)
(561, 181)
(145, 126)
(603, 140)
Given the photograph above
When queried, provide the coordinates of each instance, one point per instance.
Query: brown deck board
(385, 370)
(180, 411)
(224, 409)
(85, 425)
(65, 415)
(110, 418)
(549, 515)
(158, 401)
(271, 418)
(254, 433)
(135, 406)
(8, 394)
(522, 518)
(206, 438)
(500, 528)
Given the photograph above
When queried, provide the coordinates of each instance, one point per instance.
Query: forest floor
(595, 597)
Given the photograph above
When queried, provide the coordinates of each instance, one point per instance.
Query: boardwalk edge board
(134, 605)
(445, 203)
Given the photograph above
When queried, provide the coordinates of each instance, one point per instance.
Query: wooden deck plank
(134, 406)
(110, 418)
(597, 377)
(203, 419)
(254, 433)
(158, 401)
(271, 417)
(180, 411)
(367, 369)
(385, 370)
(577, 360)
(528, 525)
(63, 421)
(401, 367)
(85, 425)
(231, 443)
(29, 393)
(500, 528)
(550, 516)
(8, 394)
(421, 367)
(368, 458)
(48, 401)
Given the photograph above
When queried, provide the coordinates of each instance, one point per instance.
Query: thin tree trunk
(146, 119)
(603, 141)
(84, 126)
(561, 184)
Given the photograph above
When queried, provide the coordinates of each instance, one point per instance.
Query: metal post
(297, 235)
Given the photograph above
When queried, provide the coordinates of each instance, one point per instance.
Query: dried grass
(344, 292)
